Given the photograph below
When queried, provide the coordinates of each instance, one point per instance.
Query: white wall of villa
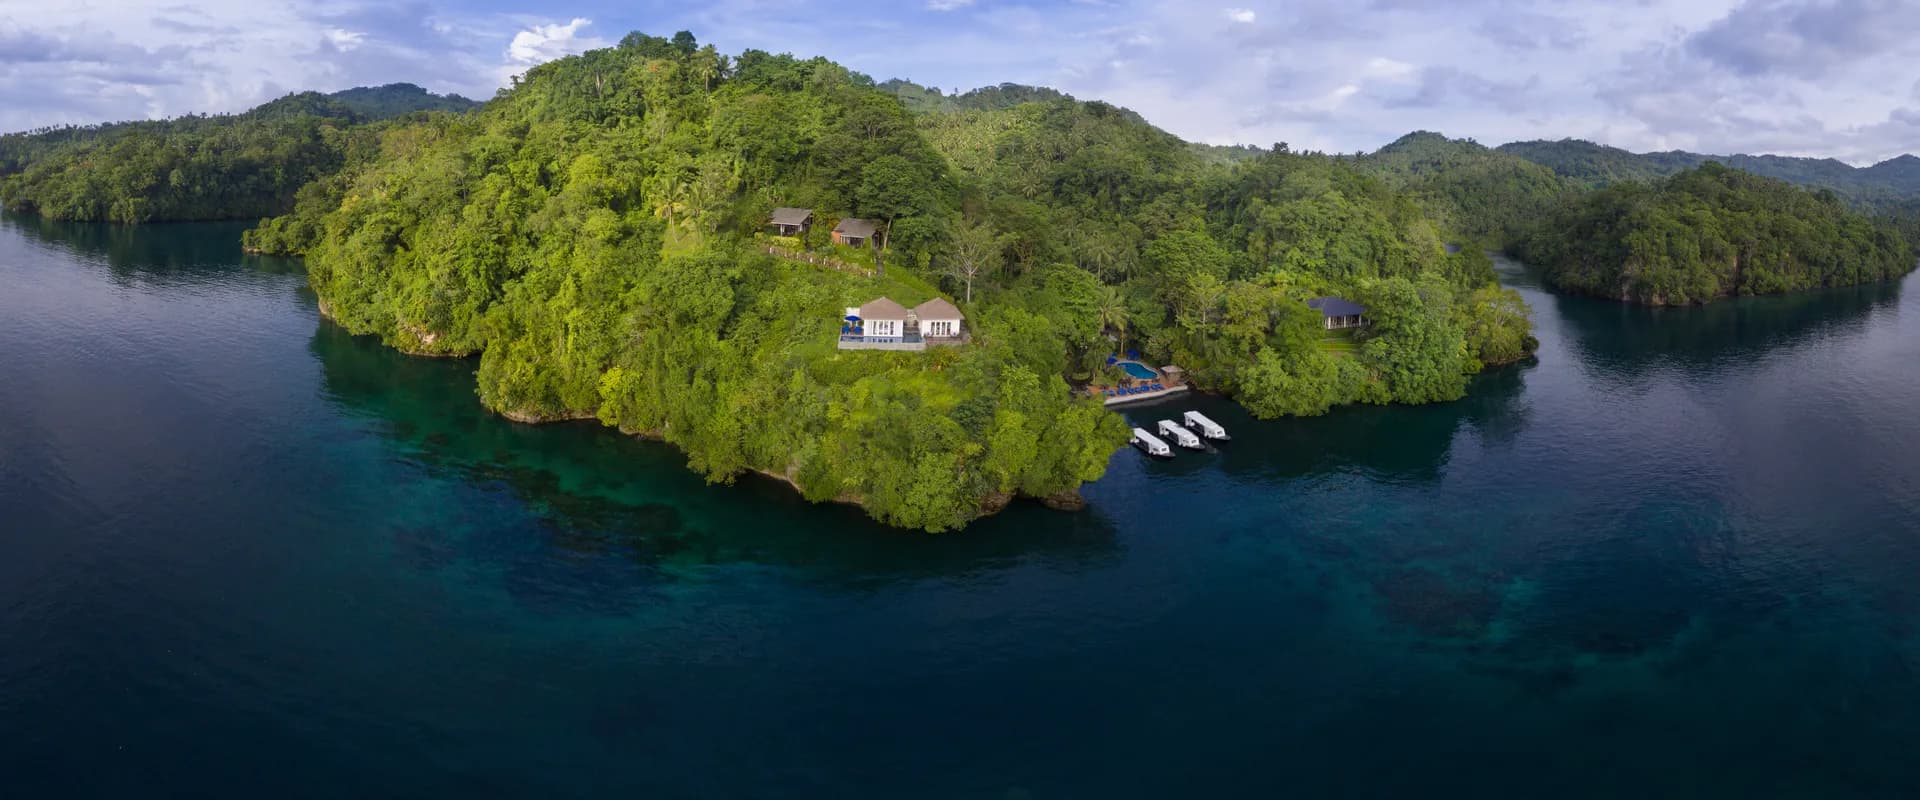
(886, 327)
(940, 327)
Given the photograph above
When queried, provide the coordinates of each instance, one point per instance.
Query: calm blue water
(245, 555)
(1139, 370)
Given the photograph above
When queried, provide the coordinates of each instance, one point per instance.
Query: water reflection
(605, 518)
(166, 253)
(1623, 342)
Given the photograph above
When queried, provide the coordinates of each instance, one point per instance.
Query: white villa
(882, 318)
(886, 325)
(938, 319)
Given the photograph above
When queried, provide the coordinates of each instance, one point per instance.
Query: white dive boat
(1206, 427)
(1151, 444)
(1180, 435)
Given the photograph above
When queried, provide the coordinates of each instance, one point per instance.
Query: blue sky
(1802, 77)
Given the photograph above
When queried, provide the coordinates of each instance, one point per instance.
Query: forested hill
(1880, 186)
(1654, 231)
(398, 99)
(596, 235)
(1712, 232)
(240, 166)
(1479, 195)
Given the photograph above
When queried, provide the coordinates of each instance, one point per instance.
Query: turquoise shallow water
(243, 554)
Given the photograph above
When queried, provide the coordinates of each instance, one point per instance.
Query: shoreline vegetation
(596, 237)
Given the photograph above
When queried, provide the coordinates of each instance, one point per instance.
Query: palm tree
(673, 195)
(707, 66)
(1110, 308)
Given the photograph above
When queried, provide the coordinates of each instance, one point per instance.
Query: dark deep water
(245, 555)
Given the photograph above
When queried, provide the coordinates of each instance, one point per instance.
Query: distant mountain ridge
(1892, 183)
(1598, 164)
(361, 103)
(395, 99)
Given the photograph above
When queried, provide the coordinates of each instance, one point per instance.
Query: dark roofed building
(1337, 313)
(854, 232)
(791, 221)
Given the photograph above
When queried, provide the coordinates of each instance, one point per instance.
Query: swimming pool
(1139, 370)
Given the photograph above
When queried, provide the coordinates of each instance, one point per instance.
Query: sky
(1828, 78)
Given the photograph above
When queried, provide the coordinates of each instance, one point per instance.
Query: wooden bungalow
(791, 221)
(855, 232)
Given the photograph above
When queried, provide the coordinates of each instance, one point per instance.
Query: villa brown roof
(937, 308)
(791, 216)
(883, 308)
(857, 228)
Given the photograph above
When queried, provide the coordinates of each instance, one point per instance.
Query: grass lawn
(1339, 343)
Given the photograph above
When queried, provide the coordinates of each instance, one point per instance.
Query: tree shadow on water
(1395, 444)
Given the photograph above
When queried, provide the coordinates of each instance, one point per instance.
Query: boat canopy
(1150, 443)
(1207, 427)
(1179, 434)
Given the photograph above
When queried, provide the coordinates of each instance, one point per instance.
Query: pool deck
(1145, 396)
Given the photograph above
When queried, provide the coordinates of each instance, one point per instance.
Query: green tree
(975, 252)
(892, 187)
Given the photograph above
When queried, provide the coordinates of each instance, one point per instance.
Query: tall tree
(892, 187)
(976, 251)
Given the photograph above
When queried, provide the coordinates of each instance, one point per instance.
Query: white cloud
(542, 43)
(948, 5)
(344, 40)
(1244, 16)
